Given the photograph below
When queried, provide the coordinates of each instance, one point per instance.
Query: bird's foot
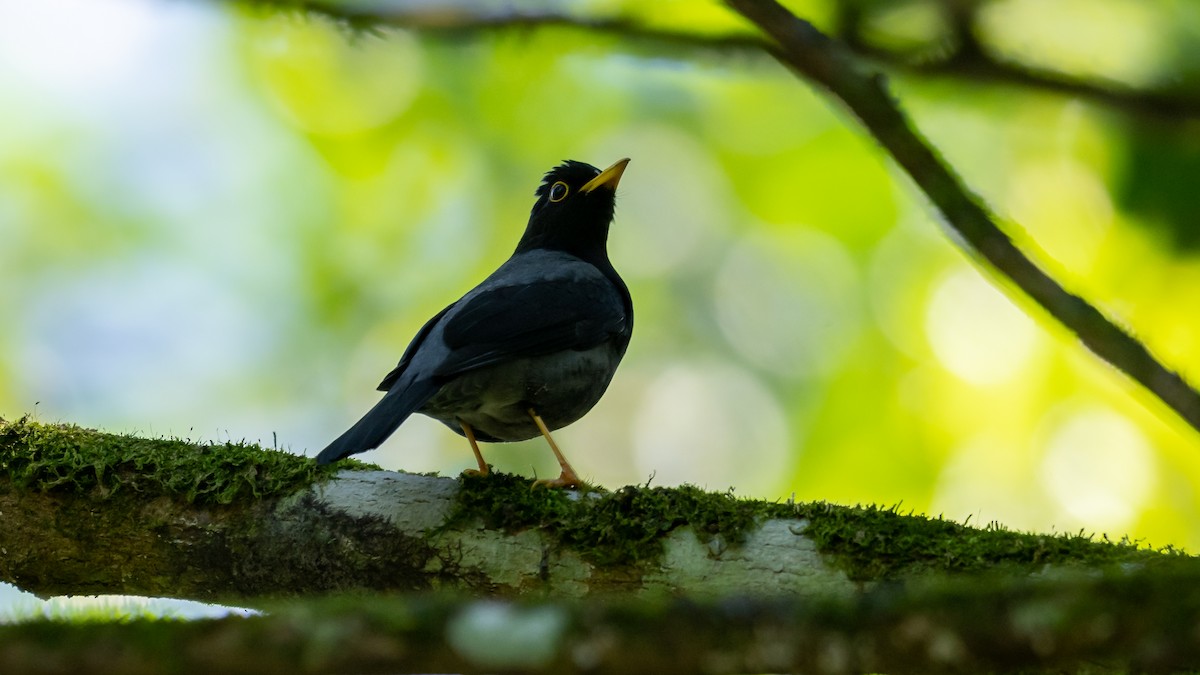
(567, 479)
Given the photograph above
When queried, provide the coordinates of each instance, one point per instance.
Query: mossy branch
(145, 529)
(769, 587)
(70, 459)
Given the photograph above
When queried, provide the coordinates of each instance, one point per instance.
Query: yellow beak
(608, 178)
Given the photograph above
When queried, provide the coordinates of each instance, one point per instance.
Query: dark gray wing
(531, 319)
(390, 379)
(391, 410)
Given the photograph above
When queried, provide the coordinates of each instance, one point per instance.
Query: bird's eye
(558, 191)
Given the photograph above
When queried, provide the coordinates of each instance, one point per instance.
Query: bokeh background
(225, 223)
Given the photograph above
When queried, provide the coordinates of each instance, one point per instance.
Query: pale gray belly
(561, 387)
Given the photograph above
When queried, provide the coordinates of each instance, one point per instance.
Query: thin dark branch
(980, 67)
(829, 64)
(461, 22)
(799, 45)
(974, 64)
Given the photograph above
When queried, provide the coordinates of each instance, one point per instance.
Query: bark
(642, 579)
(373, 530)
(85, 512)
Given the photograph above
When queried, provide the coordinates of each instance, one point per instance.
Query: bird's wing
(391, 410)
(390, 379)
(530, 319)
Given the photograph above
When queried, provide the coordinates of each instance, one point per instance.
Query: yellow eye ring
(558, 191)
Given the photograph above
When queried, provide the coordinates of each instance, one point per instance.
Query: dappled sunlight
(788, 301)
(1097, 466)
(1176, 337)
(976, 332)
(408, 213)
(712, 425)
(740, 105)
(1064, 209)
(986, 479)
(329, 86)
(1130, 31)
(675, 210)
(900, 272)
(833, 182)
(1155, 297)
(701, 16)
(904, 26)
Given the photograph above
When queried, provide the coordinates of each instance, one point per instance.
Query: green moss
(64, 457)
(880, 543)
(607, 528)
(869, 543)
(626, 527)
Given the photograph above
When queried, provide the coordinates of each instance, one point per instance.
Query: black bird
(530, 349)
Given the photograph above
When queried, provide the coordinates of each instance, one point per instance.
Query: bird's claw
(565, 480)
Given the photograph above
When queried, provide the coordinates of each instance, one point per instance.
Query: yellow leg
(568, 478)
(470, 434)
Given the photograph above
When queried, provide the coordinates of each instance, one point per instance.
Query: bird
(529, 350)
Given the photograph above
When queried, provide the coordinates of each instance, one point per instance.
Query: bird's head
(573, 210)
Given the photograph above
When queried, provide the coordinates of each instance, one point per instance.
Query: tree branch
(800, 46)
(84, 512)
(803, 48)
(766, 587)
(1160, 105)
(1131, 621)
(967, 57)
(974, 65)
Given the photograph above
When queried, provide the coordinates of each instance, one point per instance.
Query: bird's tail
(379, 422)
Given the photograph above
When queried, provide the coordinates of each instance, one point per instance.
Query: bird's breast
(562, 387)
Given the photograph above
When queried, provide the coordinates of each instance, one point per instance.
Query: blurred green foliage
(229, 223)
